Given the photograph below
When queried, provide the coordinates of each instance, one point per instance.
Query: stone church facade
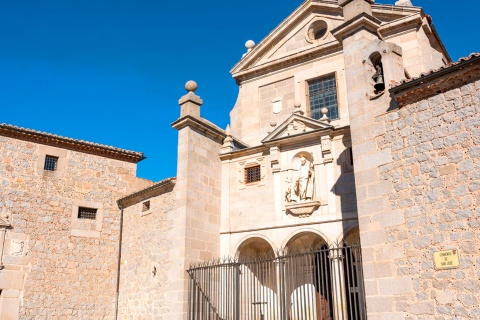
(352, 125)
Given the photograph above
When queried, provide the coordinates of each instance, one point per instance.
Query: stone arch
(295, 161)
(349, 227)
(301, 233)
(351, 235)
(254, 245)
(257, 275)
(310, 285)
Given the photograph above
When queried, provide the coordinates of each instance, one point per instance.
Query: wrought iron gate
(321, 284)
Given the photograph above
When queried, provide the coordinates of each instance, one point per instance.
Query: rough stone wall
(145, 266)
(435, 173)
(57, 266)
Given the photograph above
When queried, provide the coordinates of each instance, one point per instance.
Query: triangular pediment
(299, 37)
(296, 125)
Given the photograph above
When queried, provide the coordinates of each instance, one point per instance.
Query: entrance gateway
(321, 283)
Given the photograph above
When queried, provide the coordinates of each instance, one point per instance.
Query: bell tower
(371, 66)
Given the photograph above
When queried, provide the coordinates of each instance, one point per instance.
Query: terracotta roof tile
(449, 65)
(69, 143)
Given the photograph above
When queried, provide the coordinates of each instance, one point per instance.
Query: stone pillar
(190, 103)
(196, 229)
(367, 111)
(338, 284)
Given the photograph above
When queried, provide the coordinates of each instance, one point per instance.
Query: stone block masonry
(435, 173)
(58, 266)
(146, 263)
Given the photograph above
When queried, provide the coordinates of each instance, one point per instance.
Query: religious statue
(301, 189)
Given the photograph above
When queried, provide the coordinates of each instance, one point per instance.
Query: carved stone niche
(300, 186)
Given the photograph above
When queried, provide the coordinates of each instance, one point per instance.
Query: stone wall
(435, 173)
(146, 262)
(56, 265)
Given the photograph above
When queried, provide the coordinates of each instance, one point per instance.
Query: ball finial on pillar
(191, 86)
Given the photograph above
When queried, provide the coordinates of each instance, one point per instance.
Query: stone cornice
(413, 21)
(152, 191)
(70, 144)
(243, 152)
(311, 136)
(290, 60)
(362, 20)
(437, 81)
(201, 125)
(206, 127)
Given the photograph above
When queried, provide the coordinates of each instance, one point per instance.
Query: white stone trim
(78, 226)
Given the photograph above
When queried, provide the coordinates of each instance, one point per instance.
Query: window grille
(146, 206)
(323, 94)
(50, 163)
(252, 174)
(87, 213)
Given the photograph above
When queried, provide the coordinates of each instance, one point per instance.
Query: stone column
(338, 284)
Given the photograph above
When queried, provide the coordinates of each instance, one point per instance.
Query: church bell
(379, 84)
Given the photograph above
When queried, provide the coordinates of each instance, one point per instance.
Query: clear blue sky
(112, 71)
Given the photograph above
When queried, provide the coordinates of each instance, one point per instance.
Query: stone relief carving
(17, 248)
(296, 127)
(302, 186)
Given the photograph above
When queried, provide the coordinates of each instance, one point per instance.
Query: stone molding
(70, 144)
(157, 189)
(362, 20)
(201, 125)
(343, 3)
(302, 209)
(246, 69)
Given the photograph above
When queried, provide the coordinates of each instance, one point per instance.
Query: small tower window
(87, 213)
(146, 206)
(252, 174)
(50, 163)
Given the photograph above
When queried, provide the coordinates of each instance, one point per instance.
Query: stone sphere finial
(273, 123)
(324, 111)
(297, 104)
(249, 45)
(191, 86)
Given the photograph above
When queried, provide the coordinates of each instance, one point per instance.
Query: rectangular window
(146, 206)
(322, 93)
(87, 213)
(252, 174)
(50, 163)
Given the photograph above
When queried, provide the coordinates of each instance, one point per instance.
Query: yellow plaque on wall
(446, 259)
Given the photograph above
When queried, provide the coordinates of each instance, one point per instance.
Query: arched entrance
(258, 281)
(308, 278)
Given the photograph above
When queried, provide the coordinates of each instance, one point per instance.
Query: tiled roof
(433, 71)
(69, 143)
(144, 193)
(437, 81)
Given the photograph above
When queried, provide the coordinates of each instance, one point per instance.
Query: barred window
(50, 163)
(252, 174)
(87, 213)
(322, 93)
(146, 206)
